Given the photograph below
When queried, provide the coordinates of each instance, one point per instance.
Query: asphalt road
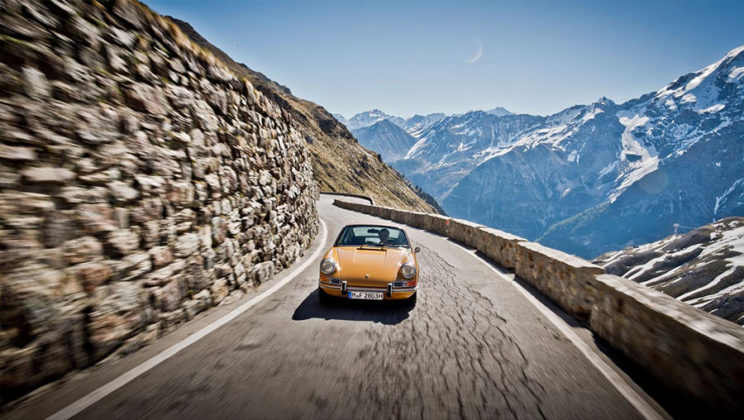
(473, 347)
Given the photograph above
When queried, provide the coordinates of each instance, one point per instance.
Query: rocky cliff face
(704, 267)
(141, 182)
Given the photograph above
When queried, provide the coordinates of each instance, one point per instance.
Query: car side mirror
(417, 250)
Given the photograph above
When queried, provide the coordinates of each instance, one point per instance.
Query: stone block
(82, 249)
(122, 242)
(219, 290)
(90, 274)
(161, 256)
(47, 174)
(132, 267)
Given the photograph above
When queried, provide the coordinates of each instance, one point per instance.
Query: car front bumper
(388, 293)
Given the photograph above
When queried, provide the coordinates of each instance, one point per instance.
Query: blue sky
(407, 57)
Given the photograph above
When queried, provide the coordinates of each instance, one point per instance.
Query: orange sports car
(370, 262)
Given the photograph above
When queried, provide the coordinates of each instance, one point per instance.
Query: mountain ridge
(339, 162)
(559, 178)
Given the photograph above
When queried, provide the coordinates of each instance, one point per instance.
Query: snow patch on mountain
(417, 146)
(735, 74)
(630, 144)
(720, 200)
(637, 159)
(704, 267)
(713, 108)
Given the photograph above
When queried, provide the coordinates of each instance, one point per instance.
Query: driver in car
(384, 236)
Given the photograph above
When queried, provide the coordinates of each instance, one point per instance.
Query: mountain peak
(735, 52)
(499, 111)
(368, 118)
(705, 90)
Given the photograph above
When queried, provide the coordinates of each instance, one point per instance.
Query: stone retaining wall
(140, 183)
(691, 352)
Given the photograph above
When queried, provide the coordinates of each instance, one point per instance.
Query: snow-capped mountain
(681, 162)
(550, 171)
(595, 177)
(449, 149)
(704, 267)
(386, 138)
(418, 123)
(368, 118)
(412, 125)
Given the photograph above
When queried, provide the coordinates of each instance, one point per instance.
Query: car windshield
(372, 236)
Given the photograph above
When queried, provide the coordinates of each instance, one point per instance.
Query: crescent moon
(478, 51)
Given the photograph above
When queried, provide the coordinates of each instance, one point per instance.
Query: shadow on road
(385, 312)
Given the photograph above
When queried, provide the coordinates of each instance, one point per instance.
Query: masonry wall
(694, 354)
(140, 183)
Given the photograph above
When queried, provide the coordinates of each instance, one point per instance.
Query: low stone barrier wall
(565, 279)
(363, 197)
(691, 352)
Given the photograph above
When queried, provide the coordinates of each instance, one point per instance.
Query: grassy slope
(339, 163)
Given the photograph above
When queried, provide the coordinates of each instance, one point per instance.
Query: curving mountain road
(475, 346)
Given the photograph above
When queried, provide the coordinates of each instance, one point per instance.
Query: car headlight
(408, 270)
(327, 266)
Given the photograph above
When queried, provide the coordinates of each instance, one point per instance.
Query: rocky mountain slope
(704, 267)
(339, 162)
(595, 177)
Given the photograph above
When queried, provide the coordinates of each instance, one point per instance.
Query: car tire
(324, 297)
(412, 300)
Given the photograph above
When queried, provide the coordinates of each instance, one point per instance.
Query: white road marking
(138, 370)
(640, 404)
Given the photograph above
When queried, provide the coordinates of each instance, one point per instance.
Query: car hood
(366, 266)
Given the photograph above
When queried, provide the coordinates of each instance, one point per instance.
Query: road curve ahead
(473, 347)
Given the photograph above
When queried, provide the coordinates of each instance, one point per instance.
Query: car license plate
(365, 295)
